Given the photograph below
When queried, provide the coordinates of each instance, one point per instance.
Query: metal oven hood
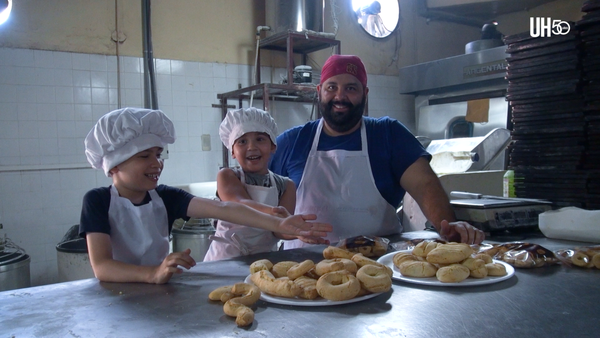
(485, 68)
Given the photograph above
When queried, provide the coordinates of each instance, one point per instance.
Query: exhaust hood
(484, 68)
(475, 12)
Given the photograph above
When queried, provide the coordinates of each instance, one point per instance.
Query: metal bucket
(294, 15)
(14, 271)
(196, 240)
(73, 260)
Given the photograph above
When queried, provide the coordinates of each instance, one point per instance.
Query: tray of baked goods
(438, 263)
(346, 274)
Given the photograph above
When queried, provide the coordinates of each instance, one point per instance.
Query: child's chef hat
(241, 121)
(125, 132)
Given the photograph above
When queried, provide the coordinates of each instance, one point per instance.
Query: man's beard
(342, 122)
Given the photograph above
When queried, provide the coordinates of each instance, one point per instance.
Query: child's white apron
(233, 240)
(139, 234)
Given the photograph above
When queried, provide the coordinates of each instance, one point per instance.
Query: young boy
(127, 224)
(250, 134)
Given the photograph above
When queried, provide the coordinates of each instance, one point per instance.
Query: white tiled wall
(50, 100)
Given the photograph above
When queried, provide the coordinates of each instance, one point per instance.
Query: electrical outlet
(205, 142)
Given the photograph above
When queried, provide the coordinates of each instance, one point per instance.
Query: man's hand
(460, 231)
(169, 266)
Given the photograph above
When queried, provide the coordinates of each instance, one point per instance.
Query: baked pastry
(476, 267)
(280, 269)
(335, 252)
(338, 286)
(300, 269)
(261, 264)
(495, 269)
(452, 273)
(449, 253)
(268, 284)
(374, 278)
(309, 287)
(418, 269)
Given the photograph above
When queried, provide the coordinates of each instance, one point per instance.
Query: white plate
(307, 302)
(388, 260)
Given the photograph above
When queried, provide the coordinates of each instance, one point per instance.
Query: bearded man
(352, 171)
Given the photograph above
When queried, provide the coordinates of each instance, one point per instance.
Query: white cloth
(338, 186)
(139, 234)
(245, 120)
(233, 240)
(125, 132)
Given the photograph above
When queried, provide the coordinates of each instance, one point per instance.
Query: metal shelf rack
(291, 42)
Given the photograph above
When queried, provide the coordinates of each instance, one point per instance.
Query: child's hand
(298, 226)
(170, 264)
(280, 211)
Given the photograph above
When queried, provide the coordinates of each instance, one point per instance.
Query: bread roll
(309, 287)
(335, 252)
(423, 248)
(496, 269)
(329, 265)
(449, 253)
(453, 273)
(280, 269)
(417, 269)
(402, 257)
(476, 266)
(262, 264)
(486, 258)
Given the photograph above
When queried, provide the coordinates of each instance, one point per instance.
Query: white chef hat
(125, 132)
(241, 121)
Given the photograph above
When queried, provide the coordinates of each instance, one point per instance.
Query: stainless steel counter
(547, 302)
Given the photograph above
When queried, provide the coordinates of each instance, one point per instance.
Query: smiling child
(127, 224)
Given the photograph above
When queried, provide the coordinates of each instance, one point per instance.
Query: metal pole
(150, 97)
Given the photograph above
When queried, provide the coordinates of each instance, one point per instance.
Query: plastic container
(508, 184)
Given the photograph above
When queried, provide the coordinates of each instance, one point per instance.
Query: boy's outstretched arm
(240, 214)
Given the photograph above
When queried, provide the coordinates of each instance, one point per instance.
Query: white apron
(233, 240)
(338, 186)
(139, 234)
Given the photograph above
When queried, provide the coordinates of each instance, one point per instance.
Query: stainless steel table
(547, 302)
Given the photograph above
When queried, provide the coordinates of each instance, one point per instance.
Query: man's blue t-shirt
(392, 149)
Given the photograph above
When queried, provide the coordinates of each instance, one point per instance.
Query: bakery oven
(460, 102)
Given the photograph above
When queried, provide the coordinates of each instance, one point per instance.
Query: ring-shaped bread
(338, 286)
(374, 278)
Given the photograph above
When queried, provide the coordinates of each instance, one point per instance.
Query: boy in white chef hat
(250, 134)
(127, 224)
